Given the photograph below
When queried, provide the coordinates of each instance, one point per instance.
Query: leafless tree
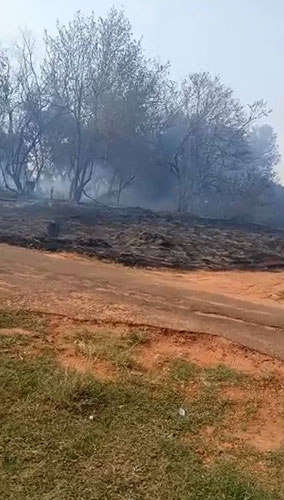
(23, 118)
(103, 118)
(211, 125)
(87, 64)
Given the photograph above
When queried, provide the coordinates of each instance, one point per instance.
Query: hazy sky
(242, 40)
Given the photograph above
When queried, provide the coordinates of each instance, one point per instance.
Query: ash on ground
(139, 237)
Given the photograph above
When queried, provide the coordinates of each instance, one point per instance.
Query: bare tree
(87, 62)
(104, 119)
(202, 144)
(23, 118)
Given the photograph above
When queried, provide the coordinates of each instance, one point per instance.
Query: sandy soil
(258, 287)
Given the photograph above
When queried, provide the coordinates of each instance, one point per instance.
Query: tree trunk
(119, 193)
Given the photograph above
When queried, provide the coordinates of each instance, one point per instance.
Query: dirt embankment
(73, 286)
(142, 238)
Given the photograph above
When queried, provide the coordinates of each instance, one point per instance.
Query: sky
(240, 40)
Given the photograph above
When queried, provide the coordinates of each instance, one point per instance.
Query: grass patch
(276, 458)
(183, 371)
(224, 374)
(22, 319)
(134, 447)
(110, 347)
(10, 341)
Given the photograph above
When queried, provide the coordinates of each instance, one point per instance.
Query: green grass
(222, 373)
(131, 450)
(135, 447)
(183, 371)
(22, 319)
(9, 341)
(110, 347)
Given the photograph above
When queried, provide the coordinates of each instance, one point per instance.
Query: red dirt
(258, 287)
(100, 369)
(112, 294)
(177, 311)
(206, 351)
(265, 434)
(265, 426)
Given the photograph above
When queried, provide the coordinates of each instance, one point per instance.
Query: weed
(22, 319)
(183, 371)
(109, 347)
(134, 446)
(131, 448)
(9, 341)
(222, 373)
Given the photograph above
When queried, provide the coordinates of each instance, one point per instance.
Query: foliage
(103, 118)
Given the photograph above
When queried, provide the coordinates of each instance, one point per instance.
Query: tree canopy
(110, 123)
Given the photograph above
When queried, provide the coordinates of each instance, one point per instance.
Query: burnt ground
(139, 237)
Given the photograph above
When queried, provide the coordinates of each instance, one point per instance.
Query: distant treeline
(97, 117)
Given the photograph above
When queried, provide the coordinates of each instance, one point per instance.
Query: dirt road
(87, 289)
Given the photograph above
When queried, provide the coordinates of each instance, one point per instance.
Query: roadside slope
(83, 288)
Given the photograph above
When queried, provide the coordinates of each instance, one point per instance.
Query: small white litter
(181, 412)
